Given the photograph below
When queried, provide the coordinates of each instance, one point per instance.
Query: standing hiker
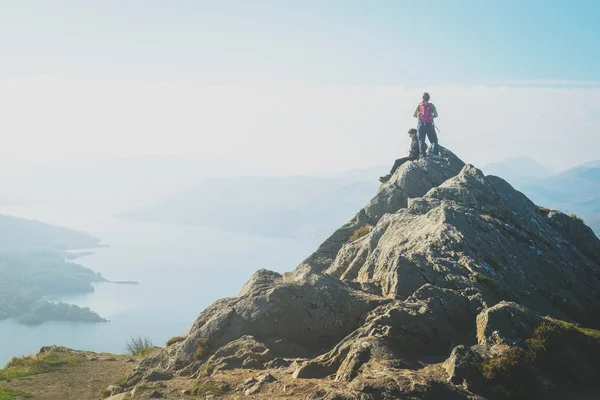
(425, 113)
(413, 154)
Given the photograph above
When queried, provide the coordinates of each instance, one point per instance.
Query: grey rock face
(454, 264)
(462, 365)
(158, 375)
(411, 180)
(505, 323)
(477, 233)
(299, 314)
(244, 352)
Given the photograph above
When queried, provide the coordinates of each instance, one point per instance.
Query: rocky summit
(448, 284)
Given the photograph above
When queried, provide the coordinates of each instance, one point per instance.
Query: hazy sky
(299, 85)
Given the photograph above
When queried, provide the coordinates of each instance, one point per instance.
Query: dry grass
(515, 373)
(201, 348)
(32, 365)
(360, 232)
(576, 217)
(209, 387)
(175, 339)
(543, 210)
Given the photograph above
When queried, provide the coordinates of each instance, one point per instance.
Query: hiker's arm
(416, 114)
(435, 114)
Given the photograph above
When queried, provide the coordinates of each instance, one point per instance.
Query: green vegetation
(105, 393)
(33, 266)
(201, 348)
(10, 394)
(175, 339)
(139, 346)
(360, 232)
(41, 363)
(26, 277)
(514, 373)
(208, 387)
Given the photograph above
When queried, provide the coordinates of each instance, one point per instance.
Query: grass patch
(544, 211)
(201, 348)
(552, 352)
(592, 334)
(139, 391)
(32, 365)
(139, 346)
(490, 284)
(484, 279)
(576, 217)
(120, 383)
(208, 387)
(207, 369)
(10, 394)
(360, 232)
(175, 339)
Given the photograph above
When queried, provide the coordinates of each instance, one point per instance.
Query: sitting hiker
(425, 113)
(413, 154)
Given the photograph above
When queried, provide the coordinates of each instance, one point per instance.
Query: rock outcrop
(454, 269)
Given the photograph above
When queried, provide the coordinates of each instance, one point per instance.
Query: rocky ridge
(455, 272)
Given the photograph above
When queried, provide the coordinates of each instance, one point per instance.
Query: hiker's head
(425, 96)
(412, 133)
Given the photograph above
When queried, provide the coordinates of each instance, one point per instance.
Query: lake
(181, 271)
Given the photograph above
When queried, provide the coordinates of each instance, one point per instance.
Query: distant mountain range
(107, 185)
(576, 190)
(271, 206)
(308, 205)
(23, 234)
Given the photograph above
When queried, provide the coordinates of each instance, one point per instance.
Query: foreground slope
(454, 271)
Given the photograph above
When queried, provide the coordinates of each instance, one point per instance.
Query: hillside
(60, 373)
(270, 206)
(518, 170)
(33, 265)
(106, 184)
(576, 190)
(23, 234)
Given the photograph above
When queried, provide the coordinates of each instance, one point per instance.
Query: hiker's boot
(385, 178)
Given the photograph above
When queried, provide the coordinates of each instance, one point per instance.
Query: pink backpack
(425, 112)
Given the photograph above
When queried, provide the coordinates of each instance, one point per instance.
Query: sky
(298, 86)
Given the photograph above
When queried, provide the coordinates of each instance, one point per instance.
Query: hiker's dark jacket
(414, 149)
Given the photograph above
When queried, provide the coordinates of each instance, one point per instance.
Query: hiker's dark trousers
(429, 130)
(399, 162)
